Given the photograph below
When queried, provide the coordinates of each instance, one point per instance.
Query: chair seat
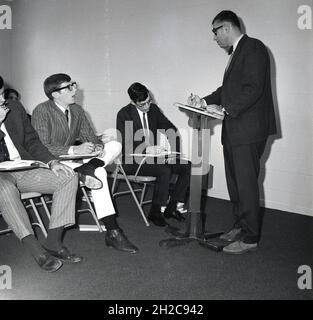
(142, 179)
(28, 195)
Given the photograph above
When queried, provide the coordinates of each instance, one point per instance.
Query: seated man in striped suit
(60, 122)
(19, 140)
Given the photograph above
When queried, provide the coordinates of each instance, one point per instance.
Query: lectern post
(201, 141)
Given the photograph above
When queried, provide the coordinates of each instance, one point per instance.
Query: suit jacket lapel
(60, 119)
(235, 55)
(136, 119)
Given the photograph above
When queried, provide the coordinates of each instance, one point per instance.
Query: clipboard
(212, 112)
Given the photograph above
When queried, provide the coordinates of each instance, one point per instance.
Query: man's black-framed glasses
(214, 30)
(69, 87)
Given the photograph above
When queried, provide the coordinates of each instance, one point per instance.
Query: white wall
(5, 48)
(167, 45)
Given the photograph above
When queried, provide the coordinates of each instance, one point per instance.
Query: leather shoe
(64, 255)
(48, 262)
(116, 239)
(157, 219)
(175, 214)
(232, 235)
(240, 247)
(86, 173)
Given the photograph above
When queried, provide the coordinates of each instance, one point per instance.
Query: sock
(155, 209)
(110, 222)
(181, 207)
(163, 209)
(32, 244)
(54, 239)
(95, 162)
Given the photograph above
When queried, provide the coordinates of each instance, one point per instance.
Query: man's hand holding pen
(195, 101)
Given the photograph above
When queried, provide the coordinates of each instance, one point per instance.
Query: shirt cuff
(223, 109)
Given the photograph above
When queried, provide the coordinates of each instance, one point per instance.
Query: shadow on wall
(278, 135)
(80, 98)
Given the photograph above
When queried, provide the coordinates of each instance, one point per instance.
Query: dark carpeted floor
(186, 272)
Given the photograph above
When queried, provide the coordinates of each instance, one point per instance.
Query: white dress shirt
(13, 152)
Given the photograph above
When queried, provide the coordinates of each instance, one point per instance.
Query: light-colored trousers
(102, 197)
(63, 189)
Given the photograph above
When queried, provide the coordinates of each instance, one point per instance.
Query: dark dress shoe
(86, 173)
(116, 239)
(48, 262)
(157, 219)
(65, 255)
(174, 215)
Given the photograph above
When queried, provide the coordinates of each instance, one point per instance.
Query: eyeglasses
(214, 30)
(142, 104)
(69, 87)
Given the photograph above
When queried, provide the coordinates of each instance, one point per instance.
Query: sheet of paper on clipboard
(78, 156)
(213, 112)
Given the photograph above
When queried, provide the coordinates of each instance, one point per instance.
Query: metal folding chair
(84, 227)
(120, 175)
(28, 200)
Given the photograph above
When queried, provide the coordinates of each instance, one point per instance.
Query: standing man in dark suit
(19, 141)
(138, 125)
(246, 98)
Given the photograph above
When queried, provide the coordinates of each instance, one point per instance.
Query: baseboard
(268, 204)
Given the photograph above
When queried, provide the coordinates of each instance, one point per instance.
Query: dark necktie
(4, 153)
(230, 52)
(66, 115)
(145, 129)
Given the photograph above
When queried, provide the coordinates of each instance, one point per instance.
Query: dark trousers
(163, 174)
(242, 168)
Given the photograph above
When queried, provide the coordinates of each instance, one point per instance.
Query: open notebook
(152, 155)
(21, 165)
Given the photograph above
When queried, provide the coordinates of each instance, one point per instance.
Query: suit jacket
(246, 95)
(23, 135)
(54, 132)
(157, 121)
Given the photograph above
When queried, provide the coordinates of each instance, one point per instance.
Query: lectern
(201, 140)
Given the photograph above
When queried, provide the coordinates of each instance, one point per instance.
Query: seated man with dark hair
(11, 94)
(60, 122)
(19, 141)
(144, 116)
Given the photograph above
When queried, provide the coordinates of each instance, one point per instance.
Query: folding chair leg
(39, 223)
(143, 192)
(135, 198)
(92, 211)
(43, 202)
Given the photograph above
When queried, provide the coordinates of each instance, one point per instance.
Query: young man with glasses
(138, 125)
(19, 141)
(246, 98)
(60, 122)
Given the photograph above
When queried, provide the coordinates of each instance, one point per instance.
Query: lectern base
(208, 240)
